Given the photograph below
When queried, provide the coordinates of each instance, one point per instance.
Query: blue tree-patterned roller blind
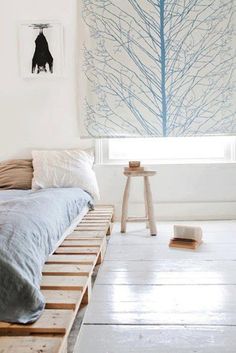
(156, 68)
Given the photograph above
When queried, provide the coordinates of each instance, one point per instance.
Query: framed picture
(41, 49)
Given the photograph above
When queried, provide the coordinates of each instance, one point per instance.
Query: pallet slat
(77, 250)
(91, 227)
(72, 259)
(62, 299)
(50, 322)
(94, 225)
(79, 234)
(95, 221)
(67, 270)
(64, 282)
(83, 242)
(109, 214)
(86, 246)
(104, 210)
(104, 207)
(106, 217)
(31, 345)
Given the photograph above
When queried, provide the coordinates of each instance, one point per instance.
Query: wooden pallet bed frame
(66, 286)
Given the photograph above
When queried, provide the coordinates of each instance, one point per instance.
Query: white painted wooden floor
(148, 298)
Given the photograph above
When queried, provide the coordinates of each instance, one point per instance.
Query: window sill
(168, 162)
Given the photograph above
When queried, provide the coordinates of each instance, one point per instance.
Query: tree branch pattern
(158, 67)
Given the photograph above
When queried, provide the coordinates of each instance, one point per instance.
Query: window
(167, 150)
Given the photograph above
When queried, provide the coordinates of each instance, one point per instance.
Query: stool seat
(149, 218)
(142, 174)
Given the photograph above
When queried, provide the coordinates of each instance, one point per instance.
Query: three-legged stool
(147, 199)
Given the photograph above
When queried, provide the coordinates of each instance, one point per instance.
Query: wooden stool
(147, 199)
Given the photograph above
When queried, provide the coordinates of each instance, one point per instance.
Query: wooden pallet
(66, 286)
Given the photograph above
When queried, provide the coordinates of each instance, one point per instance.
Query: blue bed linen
(30, 227)
(6, 195)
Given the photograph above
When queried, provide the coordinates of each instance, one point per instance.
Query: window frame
(102, 155)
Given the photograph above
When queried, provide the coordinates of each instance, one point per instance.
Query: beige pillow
(16, 174)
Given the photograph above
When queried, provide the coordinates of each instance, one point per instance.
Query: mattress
(72, 226)
(6, 195)
(31, 226)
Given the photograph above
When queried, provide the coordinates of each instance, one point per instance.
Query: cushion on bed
(16, 174)
(64, 168)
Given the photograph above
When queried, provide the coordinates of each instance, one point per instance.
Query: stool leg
(125, 206)
(151, 219)
(146, 206)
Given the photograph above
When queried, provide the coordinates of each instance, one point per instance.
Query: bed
(32, 225)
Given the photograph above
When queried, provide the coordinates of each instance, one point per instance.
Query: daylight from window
(221, 149)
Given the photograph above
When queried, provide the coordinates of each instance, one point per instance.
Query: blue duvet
(31, 224)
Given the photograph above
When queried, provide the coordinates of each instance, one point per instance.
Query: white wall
(36, 113)
(43, 114)
(193, 191)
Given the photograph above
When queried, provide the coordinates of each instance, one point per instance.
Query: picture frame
(41, 53)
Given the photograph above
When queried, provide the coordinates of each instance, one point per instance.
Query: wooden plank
(50, 322)
(87, 293)
(105, 210)
(108, 209)
(91, 227)
(79, 245)
(77, 250)
(94, 221)
(102, 253)
(64, 282)
(32, 344)
(78, 234)
(68, 299)
(98, 216)
(109, 230)
(105, 217)
(67, 269)
(104, 243)
(100, 212)
(87, 243)
(104, 206)
(72, 259)
(113, 217)
(62, 299)
(75, 236)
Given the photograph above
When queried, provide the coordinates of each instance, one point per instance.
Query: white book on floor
(188, 232)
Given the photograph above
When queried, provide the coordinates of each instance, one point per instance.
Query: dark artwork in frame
(41, 49)
(42, 56)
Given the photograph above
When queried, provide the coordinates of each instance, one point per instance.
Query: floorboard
(157, 339)
(149, 298)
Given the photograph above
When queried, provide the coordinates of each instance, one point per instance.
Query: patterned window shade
(156, 68)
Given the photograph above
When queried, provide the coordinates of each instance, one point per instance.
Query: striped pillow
(16, 174)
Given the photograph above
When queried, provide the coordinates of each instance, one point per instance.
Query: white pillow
(64, 168)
